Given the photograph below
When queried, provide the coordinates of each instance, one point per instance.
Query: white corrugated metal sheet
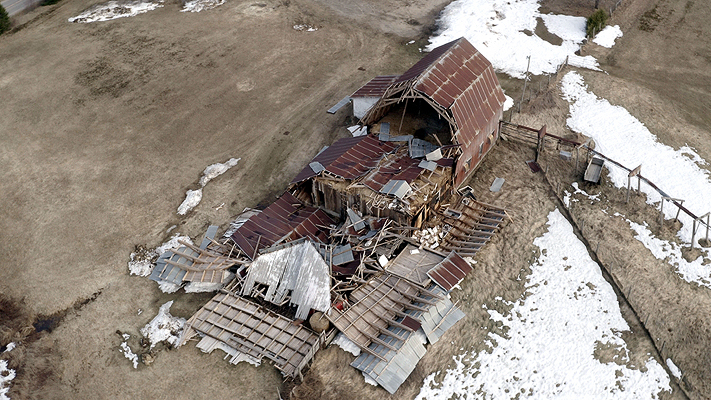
(297, 270)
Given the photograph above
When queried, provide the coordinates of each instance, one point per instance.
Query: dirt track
(106, 125)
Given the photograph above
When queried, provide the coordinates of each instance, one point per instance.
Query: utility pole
(525, 80)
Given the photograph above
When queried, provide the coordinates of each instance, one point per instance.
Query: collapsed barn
(335, 254)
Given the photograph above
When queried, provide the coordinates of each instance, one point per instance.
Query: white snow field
(678, 173)
(496, 28)
(200, 5)
(567, 312)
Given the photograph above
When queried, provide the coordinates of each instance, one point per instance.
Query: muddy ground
(106, 125)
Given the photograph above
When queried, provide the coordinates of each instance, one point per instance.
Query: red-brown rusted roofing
(349, 158)
(458, 77)
(450, 271)
(425, 63)
(398, 167)
(328, 156)
(376, 87)
(360, 158)
(285, 218)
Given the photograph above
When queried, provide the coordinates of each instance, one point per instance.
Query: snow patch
(200, 5)
(213, 171)
(567, 199)
(164, 327)
(496, 28)
(168, 287)
(625, 139)
(10, 346)
(6, 376)
(369, 380)
(508, 103)
(346, 344)
(115, 9)
(552, 332)
(694, 271)
(673, 368)
(192, 199)
(141, 262)
(128, 353)
(305, 28)
(607, 36)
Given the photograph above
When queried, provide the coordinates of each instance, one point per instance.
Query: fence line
(529, 136)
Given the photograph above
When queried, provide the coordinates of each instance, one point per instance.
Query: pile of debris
(347, 247)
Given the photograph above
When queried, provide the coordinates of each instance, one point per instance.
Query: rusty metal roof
(360, 158)
(425, 63)
(285, 219)
(327, 156)
(458, 77)
(463, 80)
(349, 158)
(376, 87)
(450, 271)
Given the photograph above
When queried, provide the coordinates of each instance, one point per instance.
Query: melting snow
(115, 9)
(496, 28)
(127, 351)
(607, 36)
(200, 5)
(567, 312)
(10, 346)
(142, 265)
(567, 198)
(305, 28)
(673, 368)
(6, 376)
(164, 327)
(217, 169)
(623, 138)
(694, 271)
(192, 199)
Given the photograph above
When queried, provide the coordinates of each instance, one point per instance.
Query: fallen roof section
(286, 219)
(254, 331)
(348, 158)
(294, 272)
(472, 224)
(413, 264)
(189, 263)
(450, 271)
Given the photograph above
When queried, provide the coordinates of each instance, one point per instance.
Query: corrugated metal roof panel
(360, 158)
(296, 270)
(426, 61)
(327, 155)
(286, 218)
(397, 188)
(376, 87)
(450, 271)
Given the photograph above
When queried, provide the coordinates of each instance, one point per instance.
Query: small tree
(4, 20)
(596, 21)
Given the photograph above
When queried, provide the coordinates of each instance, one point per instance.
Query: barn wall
(361, 105)
(471, 157)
